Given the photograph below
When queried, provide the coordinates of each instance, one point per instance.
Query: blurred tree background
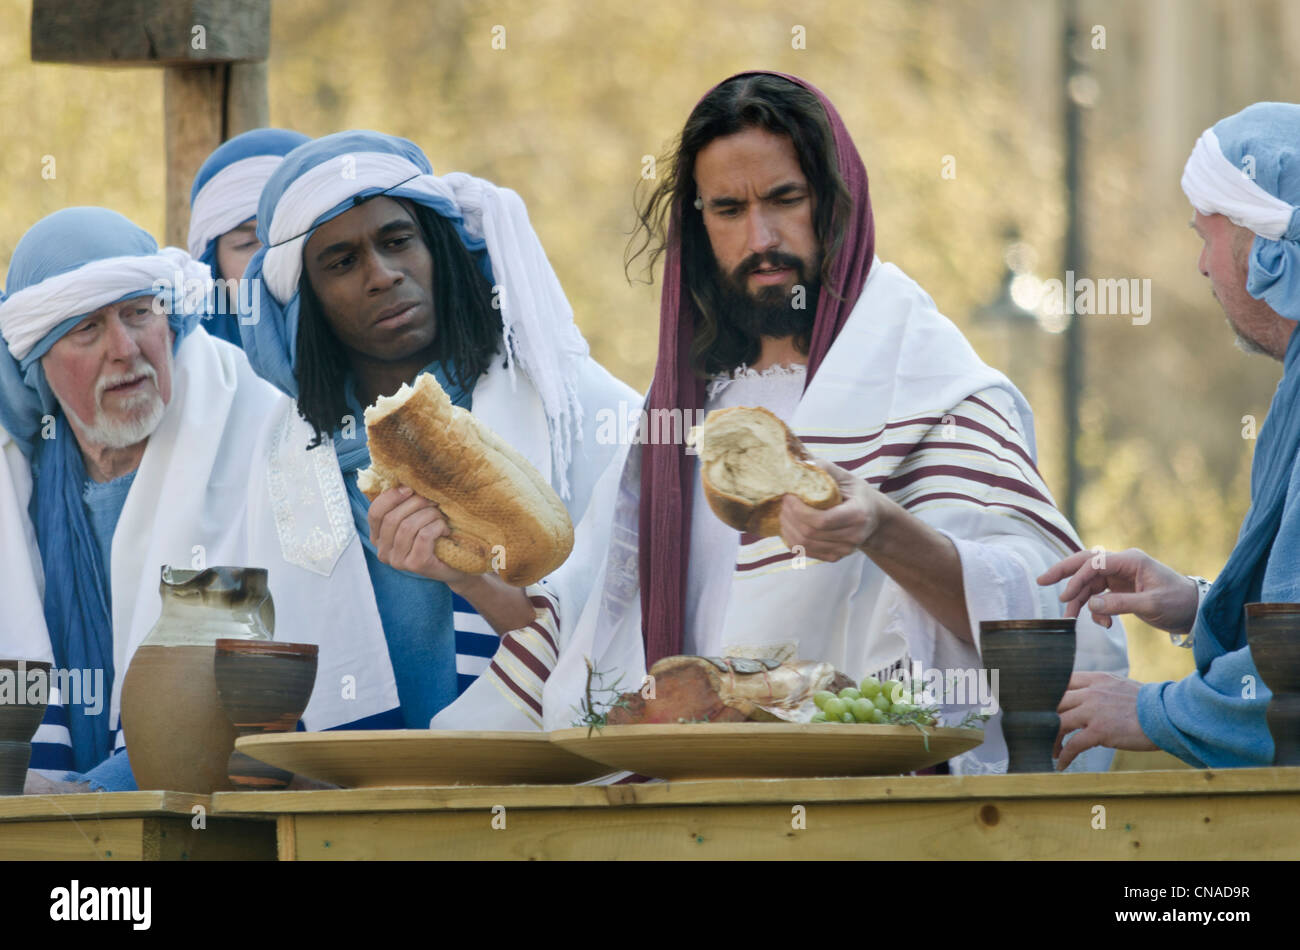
(566, 112)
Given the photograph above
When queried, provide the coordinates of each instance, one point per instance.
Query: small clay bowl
(1273, 632)
(264, 687)
(25, 680)
(1034, 659)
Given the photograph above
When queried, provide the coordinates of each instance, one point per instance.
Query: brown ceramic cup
(1034, 659)
(264, 687)
(1273, 632)
(24, 694)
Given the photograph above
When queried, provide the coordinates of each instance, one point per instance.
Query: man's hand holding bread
(759, 478)
(837, 532)
(403, 529)
(451, 501)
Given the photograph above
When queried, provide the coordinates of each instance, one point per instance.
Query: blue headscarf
(77, 592)
(1261, 144)
(224, 196)
(1247, 168)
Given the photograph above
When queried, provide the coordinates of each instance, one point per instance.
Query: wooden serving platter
(386, 758)
(766, 750)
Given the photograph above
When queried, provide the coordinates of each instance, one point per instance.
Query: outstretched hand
(1126, 582)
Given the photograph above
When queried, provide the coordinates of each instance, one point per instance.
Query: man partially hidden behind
(145, 442)
(1243, 181)
(223, 215)
(773, 296)
(376, 270)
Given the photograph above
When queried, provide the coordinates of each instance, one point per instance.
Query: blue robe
(1216, 716)
(104, 503)
(417, 613)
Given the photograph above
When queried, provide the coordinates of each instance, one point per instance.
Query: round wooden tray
(766, 750)
(383, 758)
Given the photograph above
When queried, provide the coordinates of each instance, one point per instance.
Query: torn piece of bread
(749, 459)
(502, 514)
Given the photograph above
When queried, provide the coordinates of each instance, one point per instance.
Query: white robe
(901, 396)
(22, 584)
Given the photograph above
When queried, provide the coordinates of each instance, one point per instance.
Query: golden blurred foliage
(563, 103)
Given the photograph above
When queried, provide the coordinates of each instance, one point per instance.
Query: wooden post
(192, 122)
(247, 106)
(213, 54)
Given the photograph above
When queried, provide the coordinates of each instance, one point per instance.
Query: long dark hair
(469, 327)
(754, 100)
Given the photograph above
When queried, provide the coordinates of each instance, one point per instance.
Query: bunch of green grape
(871, 701)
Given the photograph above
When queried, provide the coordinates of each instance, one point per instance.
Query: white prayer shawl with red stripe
(904, 402)
(507, 693)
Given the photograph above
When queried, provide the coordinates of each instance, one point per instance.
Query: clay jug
(177, 733)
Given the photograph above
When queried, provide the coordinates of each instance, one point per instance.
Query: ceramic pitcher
(177, 734)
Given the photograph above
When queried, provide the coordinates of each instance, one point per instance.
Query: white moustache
(108, 382)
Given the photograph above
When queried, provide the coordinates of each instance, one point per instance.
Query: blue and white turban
(319, 181)
(228, 185)
(1247, 168)
(67, 266)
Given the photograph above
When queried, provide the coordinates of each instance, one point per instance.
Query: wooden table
(131, 826)
(1185, 815)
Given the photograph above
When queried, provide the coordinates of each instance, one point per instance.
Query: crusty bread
(749, 459)
(490, 495)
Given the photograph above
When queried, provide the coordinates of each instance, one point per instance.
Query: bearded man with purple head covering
(773, 296)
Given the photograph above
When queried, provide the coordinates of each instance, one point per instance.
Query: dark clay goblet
(24, 694)
(1034, 659)
(1273, 632)
(264, 687)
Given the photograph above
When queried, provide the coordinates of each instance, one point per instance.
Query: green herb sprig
(592, 712)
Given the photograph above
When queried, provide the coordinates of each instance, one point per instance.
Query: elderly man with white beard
(151, 443)
(1243, 182)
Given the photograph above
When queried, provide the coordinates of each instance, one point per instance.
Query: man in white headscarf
(223, 216)
(149, 443)
(1243, 182)
(373, 271)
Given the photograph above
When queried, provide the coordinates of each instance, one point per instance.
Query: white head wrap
(228, 199)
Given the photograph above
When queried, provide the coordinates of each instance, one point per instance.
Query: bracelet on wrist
(1185, 640)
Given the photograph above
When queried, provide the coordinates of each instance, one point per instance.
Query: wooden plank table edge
(149, 804)
(1101, 785)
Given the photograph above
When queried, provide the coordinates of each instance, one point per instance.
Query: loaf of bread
(749, 458)
(502, 514)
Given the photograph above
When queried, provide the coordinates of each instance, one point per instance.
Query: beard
(772, 311)
(136, 419)
(1249, 346)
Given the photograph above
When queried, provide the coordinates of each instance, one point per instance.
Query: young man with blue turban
(142, 441)
(374, 270)
(1243, 180)
(223, 214)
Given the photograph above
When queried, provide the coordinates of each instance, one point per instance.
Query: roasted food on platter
(729, 689)
(502, 514)
(686, 689)
(749, 459)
